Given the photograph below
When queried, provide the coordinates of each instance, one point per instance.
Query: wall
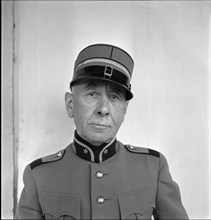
(7, 113)
(169, 42)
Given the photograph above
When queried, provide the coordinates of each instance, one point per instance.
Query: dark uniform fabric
(134, 183)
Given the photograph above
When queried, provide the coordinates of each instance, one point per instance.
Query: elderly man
(96, 176)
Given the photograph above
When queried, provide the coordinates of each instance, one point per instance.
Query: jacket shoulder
(48, 159)
(142, 150)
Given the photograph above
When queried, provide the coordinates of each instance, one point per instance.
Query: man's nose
(103, 107)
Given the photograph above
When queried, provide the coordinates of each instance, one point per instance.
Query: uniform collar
(92, 153)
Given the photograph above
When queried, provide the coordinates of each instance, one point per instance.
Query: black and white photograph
(105, 109)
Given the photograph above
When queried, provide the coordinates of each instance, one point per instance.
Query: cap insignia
(108, 71)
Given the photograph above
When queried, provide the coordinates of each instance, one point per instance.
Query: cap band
(103, 62)
(103, 72)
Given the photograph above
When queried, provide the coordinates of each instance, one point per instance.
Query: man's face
(98, 109)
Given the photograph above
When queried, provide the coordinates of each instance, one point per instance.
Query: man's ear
(69, 104)
(126, 106)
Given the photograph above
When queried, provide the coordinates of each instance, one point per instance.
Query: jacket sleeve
(168, 202)
(28, 206)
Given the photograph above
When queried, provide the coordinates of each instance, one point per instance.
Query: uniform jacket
(134, 183)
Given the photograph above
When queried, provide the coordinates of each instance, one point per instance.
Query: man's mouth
(100, 126)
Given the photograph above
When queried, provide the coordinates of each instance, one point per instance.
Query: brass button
(100, 200)
(99, 175)
(59, 154)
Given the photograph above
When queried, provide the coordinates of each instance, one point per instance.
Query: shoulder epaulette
(142, 150)
(50, 158)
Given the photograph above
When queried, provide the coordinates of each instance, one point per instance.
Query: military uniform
(111, 181)
(129, 183)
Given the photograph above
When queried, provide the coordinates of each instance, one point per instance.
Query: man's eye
(115, 97)
(92, 94)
